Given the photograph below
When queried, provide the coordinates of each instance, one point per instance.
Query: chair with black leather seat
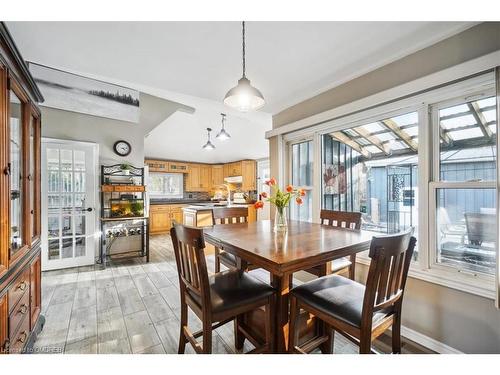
(225, 216)
(216, 299)
(340, 219)
(361, 313)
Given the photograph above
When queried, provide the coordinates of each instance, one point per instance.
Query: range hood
(234, 179)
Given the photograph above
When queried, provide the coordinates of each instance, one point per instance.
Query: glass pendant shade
(223, 134)
(244, 97)
(209, 145)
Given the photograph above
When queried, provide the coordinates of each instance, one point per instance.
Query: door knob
(89, 209)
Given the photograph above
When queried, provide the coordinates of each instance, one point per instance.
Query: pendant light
(223, 134)
(244, 97)
(209, 145)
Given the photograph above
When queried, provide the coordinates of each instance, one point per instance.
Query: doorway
(69, 215)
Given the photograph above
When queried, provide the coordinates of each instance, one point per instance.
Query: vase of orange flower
(281, 199)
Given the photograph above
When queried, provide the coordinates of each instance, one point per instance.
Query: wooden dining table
(301, 247)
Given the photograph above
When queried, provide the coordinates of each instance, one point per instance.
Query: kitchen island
(200, 215)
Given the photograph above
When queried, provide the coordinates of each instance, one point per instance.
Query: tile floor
(130, 307)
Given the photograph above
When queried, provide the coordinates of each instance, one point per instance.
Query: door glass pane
(16, 158)
(67, 227)
(468, 141)
(32, 173)
(80, 247)
(79, 225)
(67, 248)
(302, 170)
(53, 227)
(66, 160)
(466, 229)
(53, 247)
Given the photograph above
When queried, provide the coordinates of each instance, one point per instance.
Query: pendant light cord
(243, 46)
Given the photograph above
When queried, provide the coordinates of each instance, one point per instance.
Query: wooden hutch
(20, 267)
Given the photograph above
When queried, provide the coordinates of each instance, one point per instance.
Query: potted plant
(281, 200)
(125, 167)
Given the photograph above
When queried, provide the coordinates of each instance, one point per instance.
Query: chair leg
(184, 322)
(352, 267)
(270, 313)
(292, 330)
(396, 334)
(239, 338)
(207, 337)
(327, 347)
(217, 260)
(365, 344)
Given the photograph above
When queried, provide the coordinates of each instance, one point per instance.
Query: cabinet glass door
(34, 160)
(16, 175)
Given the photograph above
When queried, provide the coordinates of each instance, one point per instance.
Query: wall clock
(122, 148)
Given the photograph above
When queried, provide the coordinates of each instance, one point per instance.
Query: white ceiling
(195, 63)
(287, 61)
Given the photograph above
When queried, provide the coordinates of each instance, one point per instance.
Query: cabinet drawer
(18, 339)
(158, 209)
(21, 286)
(21, 310)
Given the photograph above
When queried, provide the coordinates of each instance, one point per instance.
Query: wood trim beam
(344, 138)
(480, 119)
(405, 137)
(373, 140)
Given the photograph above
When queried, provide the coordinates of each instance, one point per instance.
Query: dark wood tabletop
(304, 244)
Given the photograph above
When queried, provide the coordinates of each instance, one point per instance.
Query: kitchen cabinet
(217, 175)
(162, 216)
(157, 165)
(193, 178)
(20, 130)
(249, 174)
(205, 177)
(177, 167)
(233, 169)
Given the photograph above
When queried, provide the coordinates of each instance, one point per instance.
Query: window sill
(447, 279)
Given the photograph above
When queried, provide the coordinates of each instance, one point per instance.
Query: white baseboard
(428, 342)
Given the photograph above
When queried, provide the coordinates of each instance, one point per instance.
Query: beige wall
(105, 132)
(474, 42)
(461, 320)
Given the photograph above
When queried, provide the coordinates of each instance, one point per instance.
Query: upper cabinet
(217, 175)
(249, 174)
(166, 166)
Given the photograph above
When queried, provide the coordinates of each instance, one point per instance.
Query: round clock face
(122, 148)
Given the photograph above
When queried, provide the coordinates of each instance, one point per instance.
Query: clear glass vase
(280, 220)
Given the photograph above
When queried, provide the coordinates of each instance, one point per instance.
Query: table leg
(327, 346)
(282, 286)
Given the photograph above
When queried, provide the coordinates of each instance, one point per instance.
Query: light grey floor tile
(116, 346)
(130, 301)
(159, 279)
(165, 267)
(104, 278)
(150, 267)
(124, 283)
(172, 296)
(145, 286)
(83, 324)
(64, 293)
(168, 330)
(157, 308)
(158, 349)
(141, 331)
(85, 296)
(85, 346)
(55, 330)
(136, 269)
(120, 271)
(107, 298)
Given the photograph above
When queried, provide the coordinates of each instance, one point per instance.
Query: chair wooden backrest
(229, 215)
(341, 219)
(189, 246)
(390, 261)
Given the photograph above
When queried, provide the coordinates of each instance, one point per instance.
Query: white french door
(69, 227)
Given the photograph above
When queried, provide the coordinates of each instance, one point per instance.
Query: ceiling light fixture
(209, 145)
(244, 97)
(223, 134)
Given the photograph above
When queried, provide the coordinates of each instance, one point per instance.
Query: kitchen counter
(176, 201)
(209, 206)
(201, 215)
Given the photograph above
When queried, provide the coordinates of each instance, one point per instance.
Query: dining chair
(340, 219)
(226, 216)
(219, 298)
(361, 313)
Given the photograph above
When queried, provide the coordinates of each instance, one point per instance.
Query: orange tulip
(258, 204)
(263, 194)
(289, 188)
(302, 192)
(299, 200)
(272, 181)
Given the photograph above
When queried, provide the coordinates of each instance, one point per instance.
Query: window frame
(289, 172)
(152, 195)
(421, 102)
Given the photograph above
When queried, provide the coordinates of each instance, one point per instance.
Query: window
(464, 185)
(302, 177)
(166, 185)
(372, 168)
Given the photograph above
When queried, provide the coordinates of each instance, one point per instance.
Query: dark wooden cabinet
(20, 262)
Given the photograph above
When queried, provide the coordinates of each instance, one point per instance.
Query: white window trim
(420, 269)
